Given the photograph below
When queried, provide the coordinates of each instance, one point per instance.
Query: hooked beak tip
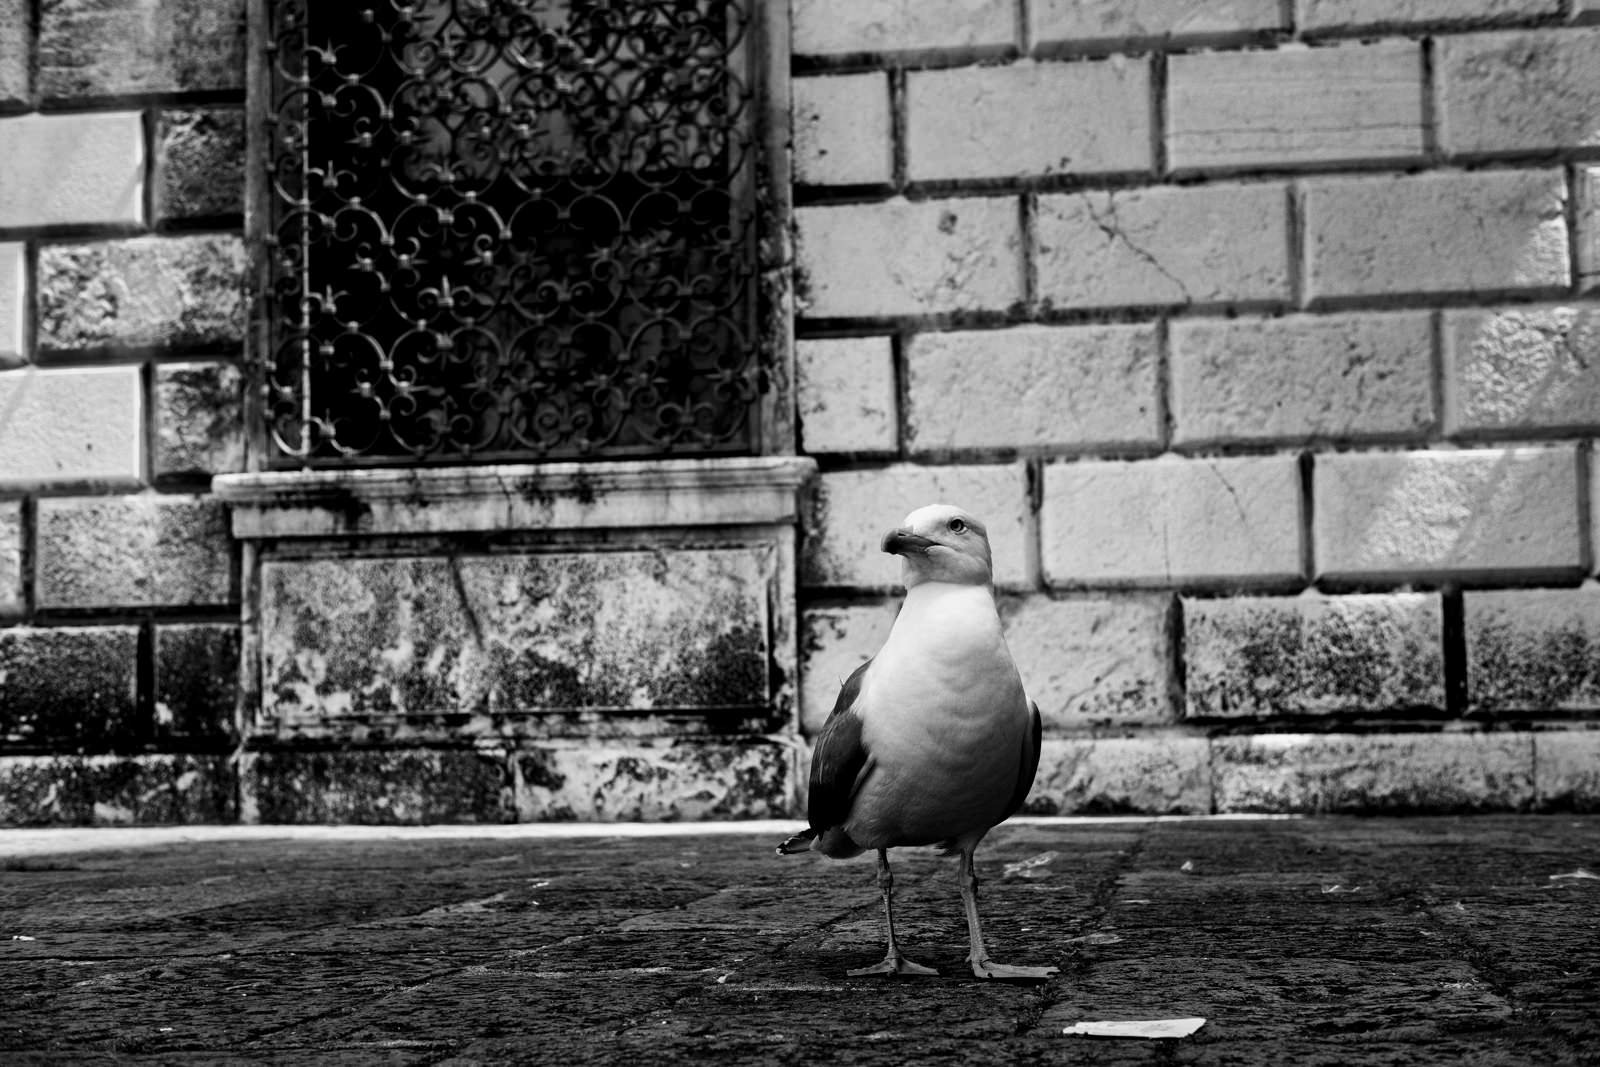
(902, 542)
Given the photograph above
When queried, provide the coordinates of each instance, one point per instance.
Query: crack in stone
(1110, 225)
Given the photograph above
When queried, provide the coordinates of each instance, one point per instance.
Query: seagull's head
(941, 543)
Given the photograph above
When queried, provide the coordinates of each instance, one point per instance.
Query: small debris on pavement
(1188, 867)
(1136, 1027)
(1578, 874)
(1029, 868)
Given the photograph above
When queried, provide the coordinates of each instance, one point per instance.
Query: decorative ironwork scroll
(510, 229)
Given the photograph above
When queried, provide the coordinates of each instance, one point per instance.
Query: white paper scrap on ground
(1136, 1027)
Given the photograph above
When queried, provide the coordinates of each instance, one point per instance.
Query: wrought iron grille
(510, 229)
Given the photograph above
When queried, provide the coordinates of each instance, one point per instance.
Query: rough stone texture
(102, 442)
(133, 551)
(1301, 378)
(838, 27)
(13, 304)
(12, 601)
(1121, 24)
(842, 129)
(143, 292)
(1468, 513)
(1566, 769)
(1212, 244)
(199, 426)
(845, 395)
(655, 783)
(927, 258)
(1514, 369)
(1373, 773)
(1587, 181)
(1093, 662)
(95, 48)
(1476, 232)
(1169, 521)
(15, 33)
(383, 786)
(1313, 655)
(1028, 119)
(833, 643)
(1350, 15)
(1295, 107)
(1157, 774)
(200, 161)
(66, 689)
(72, 169)
(196, 680)
(1033, 387)
(1519, 92)
(674, 631)
(1533, 650)
(849, 511)
(115, 790)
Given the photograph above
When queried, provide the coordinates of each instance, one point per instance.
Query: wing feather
(838, 759)
(1030, 762)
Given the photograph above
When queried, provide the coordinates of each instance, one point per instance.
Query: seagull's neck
(939, 614)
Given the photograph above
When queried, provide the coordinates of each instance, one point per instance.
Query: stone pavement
(1319, 941)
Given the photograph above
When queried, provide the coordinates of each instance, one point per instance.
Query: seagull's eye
(957, 526)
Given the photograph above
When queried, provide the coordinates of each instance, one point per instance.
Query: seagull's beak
(902, 542)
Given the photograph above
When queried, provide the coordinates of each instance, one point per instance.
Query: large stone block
(1519, 92)
(12, 533)
(836, 27)
(96, 48)
(1268, 656)
(1295, 107)
(13, 304)
(842, 130)
(1117, 25)
(850, 511)
(1373, 773)
(1587, 253)
(1348, 16)
(1533, 650)
(833, 643)
(1057, 387)
(116, 790)
(1095, 661)
(72, 169)
(143, 292)
(1028, 119)
(1567, 769)
(541, 639)
(902, 258)
(381, 786)
(1476, 232)
(1171, 521)
(846, 395)
(133, 551)
(687, 781)
(16, 31)
(1205, 245)
(196, 680)
(199, 418)
(1472, 513)
(68, 689)
(1301, 378)
(1150, 775)
(200, 162)
(1521, 368)
(71, 426)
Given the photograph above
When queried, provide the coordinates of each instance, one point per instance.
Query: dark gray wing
(1030, 762)
(838, 758)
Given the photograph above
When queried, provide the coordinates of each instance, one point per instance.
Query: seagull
(933, 740)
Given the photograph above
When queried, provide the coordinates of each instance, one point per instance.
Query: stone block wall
(1265, 337)
(122, 317)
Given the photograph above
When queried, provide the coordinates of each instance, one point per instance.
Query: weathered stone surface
(115, 790)
(1350, 15)
(133, 551)
(1533, 650)
(1057, 387)
(1521, 368)
(642, 632)
(196, 680)
(849, 512)
(1373, 773)
(1028, 119)
(1295, 107)
(383, 786)
(1473, 232)
(13, 304)
(200, 160)
(1566, 767)
(1171, 521)
(833, 643)
(16, 30)
(94, 48)
(102, 442)
(1160, 775)
(1312, 655)
(72, 169)
(1519, 92)
(841, 129)
(928, 257)
(66, 688)
(142, 292)
(11, 542)
(1214, 244)
(1301, 378)
(655, 783)
(846, 395)
(1094, 661)
(199, 418)
(1587, 181)
(829, 27)
(1120, 24)
(1470, 512)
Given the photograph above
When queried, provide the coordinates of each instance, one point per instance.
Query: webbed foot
(893, 964)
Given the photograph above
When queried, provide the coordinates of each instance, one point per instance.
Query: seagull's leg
(893, 962)
(982, 966)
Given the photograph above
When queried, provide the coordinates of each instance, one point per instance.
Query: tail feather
(800, 842)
